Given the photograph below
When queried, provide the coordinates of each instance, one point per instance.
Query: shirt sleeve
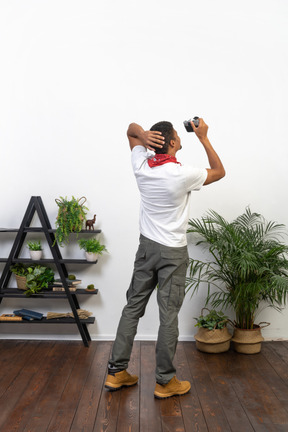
(138, 156)
(194, 177)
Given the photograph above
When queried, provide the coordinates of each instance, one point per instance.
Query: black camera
(188, 126)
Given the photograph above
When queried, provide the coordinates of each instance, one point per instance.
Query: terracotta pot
(213, 341)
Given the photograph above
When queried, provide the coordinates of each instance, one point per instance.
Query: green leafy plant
(70, 218)
(247, 268)
(19, 269)
(213, 320)
(38, 277)
(92, 245)
(34, 245)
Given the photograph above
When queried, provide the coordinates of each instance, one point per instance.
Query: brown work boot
(119, 380)
(173, 388)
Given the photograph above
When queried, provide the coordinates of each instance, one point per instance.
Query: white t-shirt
(165, 197)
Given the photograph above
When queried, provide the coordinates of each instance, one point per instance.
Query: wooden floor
(58, 387)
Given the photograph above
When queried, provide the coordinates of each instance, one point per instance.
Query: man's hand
(201, 130)
(148, 139)
(152, 139)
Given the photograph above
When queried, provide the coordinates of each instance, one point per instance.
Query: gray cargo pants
(154, 264)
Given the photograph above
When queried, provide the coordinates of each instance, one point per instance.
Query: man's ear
(172, 143)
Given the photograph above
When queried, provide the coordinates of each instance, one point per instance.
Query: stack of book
(10, 317)
(72, 284)
(28, 314)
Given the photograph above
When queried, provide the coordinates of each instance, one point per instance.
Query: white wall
(74, 74)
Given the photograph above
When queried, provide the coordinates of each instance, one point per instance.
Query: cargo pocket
(140, 255)
(139, 260)
(177, 292)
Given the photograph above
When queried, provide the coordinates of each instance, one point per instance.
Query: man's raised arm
(148, 139)
(216, 170)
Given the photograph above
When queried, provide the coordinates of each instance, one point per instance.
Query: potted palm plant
(247, 270)
(92, 248)
(213, 335)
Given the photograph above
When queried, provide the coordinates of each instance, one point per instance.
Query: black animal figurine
(90, 223)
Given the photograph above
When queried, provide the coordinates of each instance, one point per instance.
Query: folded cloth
(83, 314)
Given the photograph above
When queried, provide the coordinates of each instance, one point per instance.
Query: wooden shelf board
(16, 293)
(40, 229)
(68, 320)
(51, 260)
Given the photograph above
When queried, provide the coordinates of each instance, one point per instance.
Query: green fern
(70, 218)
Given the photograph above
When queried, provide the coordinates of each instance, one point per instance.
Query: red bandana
(161, 159)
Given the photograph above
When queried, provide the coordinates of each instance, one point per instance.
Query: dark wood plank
(150, 416)
(21, 413)
(12, 353)
(271, 377)
(220, 370)
(212, 409)
(193, 417)
(88, 405)
(65, 411)
(107, 415)
(273, 352)
(174, 410)
(30, 366)
(119, 410)
(261, 405)
(128, 416)
(285, 343)
(280, 348)
(44, 409)
(171, 415)
(58, 386)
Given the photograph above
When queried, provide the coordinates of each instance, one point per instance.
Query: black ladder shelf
(36, 205)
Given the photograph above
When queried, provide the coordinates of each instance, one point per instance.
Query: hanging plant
(70, 218)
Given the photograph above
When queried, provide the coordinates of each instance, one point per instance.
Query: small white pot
(90, 256)
(35, 255)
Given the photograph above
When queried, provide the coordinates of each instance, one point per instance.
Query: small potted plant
(92, 248)
(35, 249)
(20, 271)
(32, 279)
(213, 335)
(70, 218)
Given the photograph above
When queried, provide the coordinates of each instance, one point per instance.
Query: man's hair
(167, 130)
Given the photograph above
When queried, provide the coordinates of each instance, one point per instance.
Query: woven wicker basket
(213, 341)
(21, 282)
(248, 341)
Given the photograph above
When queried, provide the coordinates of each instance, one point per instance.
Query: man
(165, 187)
